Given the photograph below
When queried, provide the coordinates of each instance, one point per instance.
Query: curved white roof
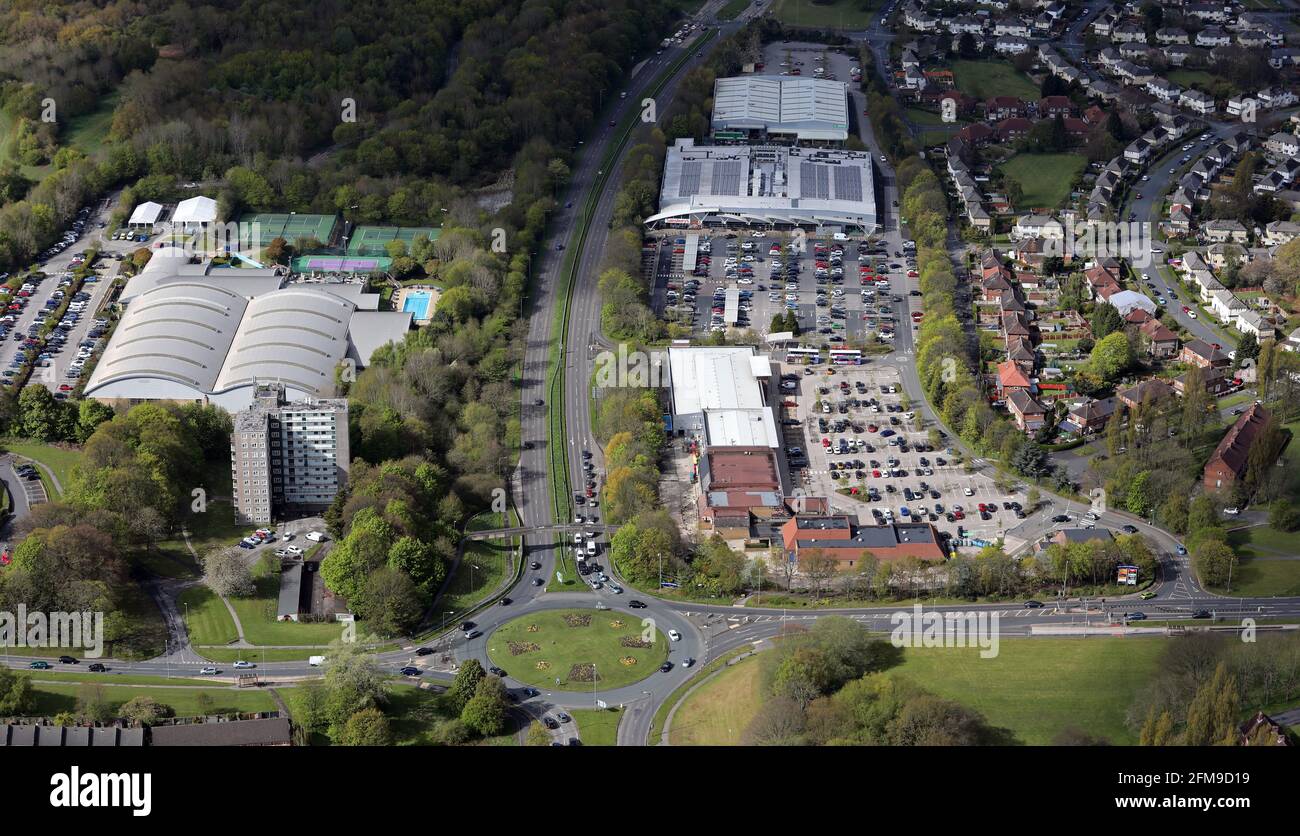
(296, 336)
(180, 332)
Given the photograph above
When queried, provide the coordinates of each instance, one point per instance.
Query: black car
(1129, 529)
(1033, 605)
(550, 722)
(636, 605)
(537, 581)
(423, 651)
(495, 671)
(410, 670)
(467, 626)
(97, 667)
(1061, 518)
(1201, 614)
(505, 602)
(534, 565)
(666, 667)
(68, 660)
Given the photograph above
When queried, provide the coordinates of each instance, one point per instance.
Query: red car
(1186, 309)
(65, 388)
(876, 474)
(871, 428)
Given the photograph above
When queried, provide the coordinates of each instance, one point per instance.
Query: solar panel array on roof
(726, 177)
(814, 182)
(689, 183)
(848, 183)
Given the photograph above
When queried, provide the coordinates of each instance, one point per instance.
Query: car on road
(1135, 616)
(1129, 529)
(1060, 518)
(423, 651)
(473, 634)
(1147, 596)
(1201, 614)
(97, 667)
(495, 671)
(636, 605)
(208, 671)
(505, 602)
(1033, 605)
(241, 664)
(534, 565)
(673, 635)
(466, 626)
(39, 666)
(410, 670)
(1181, 549)
(666, 667)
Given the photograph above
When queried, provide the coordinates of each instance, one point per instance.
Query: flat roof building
(715, 379)
(766, 185)
(787, 107)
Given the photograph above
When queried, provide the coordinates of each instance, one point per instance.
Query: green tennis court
(262, 228)
(370, 240)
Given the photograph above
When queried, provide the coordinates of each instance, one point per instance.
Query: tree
(1212, 714)
(1158, 729)
(485, 713)
(462, 688)
(144, 710)
(353, 682)
(778, 722)
(818, 567)
(367, 727)
(1106, 320)
(1111, 356)
(390, 602)
(538, 735)
(226, 573)
(1214, 561)
(16, 695)
(93, 704)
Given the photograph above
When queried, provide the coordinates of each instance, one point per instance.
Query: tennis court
(371, 240)
(341, 264)
(271, 225)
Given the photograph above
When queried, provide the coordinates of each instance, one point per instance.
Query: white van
(591, 548)
(839, 236)
(316, 537)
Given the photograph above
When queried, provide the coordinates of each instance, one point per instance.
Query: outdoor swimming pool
(416, 303)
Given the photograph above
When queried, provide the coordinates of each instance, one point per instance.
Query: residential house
(1161, 342)
(1028, 413)
(1090, 416)
(1229, 462)
(1154, 390)
(1197, 102)
(1198, 352)
(1226, 230)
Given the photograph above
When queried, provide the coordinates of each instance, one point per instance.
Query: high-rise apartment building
(287, 455)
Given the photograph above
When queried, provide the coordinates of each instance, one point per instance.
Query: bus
(803, 354)
(846, 356)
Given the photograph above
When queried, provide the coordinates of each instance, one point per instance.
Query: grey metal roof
(811, 108)
(295, 335)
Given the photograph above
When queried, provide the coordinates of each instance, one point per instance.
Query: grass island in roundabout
(567, 649)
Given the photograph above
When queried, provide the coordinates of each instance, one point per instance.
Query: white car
(208, 671)
(241, 664)
(968, 491)
(1192, 314)
(673, 635)
(1232, 512)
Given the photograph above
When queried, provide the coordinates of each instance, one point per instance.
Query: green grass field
(88, 132)
(206, 618)
(835, 14)
(1034, 688)
(542, 648)
(1044, 178)
(597, 727)
(716, 714)
(1270, 563)
(53, 699)
(257, 616)
(984, 79)
(60, 460)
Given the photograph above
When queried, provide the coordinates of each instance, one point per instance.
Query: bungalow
(840, 537)
(1029, 414)
(1200, 353)
(1226, 305)
(1161, 342)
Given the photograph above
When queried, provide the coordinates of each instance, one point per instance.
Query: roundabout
(578, 649)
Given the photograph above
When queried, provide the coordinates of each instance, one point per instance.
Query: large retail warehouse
(766, 185)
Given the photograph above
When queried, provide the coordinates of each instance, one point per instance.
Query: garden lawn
(541, 648)
(828, 14)
(718, 711)
(1044, 178)
(984, 79)
(597, 727)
